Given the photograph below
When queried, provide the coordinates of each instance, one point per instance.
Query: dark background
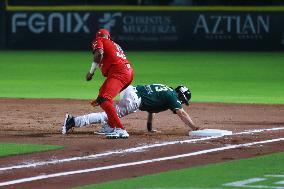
(147, 2)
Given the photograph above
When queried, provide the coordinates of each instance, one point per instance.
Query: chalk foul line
(95, 169)
(129, 150)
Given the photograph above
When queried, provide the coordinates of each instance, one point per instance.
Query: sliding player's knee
(126, 106)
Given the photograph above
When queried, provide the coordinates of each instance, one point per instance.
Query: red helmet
(102, 32)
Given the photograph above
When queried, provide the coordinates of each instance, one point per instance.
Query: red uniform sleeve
(97, 44)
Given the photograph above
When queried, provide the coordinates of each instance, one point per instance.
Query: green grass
(238, 77)
(8, 149)
(210, 176)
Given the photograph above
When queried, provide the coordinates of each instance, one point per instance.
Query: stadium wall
(2, 24)
(146, 28)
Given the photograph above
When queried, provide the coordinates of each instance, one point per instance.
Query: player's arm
(90, 73)
(150, 122)
(98, 56)
(186, 119)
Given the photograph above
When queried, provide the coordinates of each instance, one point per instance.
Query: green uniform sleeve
(174, 103)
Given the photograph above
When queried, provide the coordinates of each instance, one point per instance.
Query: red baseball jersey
(113, 54)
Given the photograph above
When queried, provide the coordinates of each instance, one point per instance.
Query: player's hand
(94, 103)
(150, 128)
(89, 76)
(155, 131)
(195, 128)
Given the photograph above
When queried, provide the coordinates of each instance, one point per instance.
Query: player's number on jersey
(162, 88)
(120, 52)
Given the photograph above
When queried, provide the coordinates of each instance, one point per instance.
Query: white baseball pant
(129, 102)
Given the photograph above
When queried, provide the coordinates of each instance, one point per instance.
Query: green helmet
(184, 94)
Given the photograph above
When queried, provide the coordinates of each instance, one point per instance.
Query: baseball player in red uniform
(110, 58)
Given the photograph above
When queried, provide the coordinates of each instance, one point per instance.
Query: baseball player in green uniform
(152, 98)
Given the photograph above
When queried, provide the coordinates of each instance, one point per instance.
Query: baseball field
(238, 91)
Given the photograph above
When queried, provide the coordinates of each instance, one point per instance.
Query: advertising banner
(148, 30)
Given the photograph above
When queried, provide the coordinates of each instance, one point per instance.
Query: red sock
(113, 119)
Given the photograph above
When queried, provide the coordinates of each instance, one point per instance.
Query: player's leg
(128, 103)
(92, 118)
(84, 120)
(110, 88)
(117, 81)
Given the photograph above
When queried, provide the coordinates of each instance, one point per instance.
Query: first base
(210, 132)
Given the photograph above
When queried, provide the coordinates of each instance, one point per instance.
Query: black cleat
(69, 123)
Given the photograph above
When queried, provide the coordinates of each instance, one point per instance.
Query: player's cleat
(118, 133)
(69, 123)
(105, 129)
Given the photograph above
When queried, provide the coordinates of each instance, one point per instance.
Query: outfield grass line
(180, 188)
(123, 151)
(245, 183)
(95, 169)
(277, 176)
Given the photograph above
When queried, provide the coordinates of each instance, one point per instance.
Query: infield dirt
(39, 121)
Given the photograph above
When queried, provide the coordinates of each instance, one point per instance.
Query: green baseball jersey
(157, 98)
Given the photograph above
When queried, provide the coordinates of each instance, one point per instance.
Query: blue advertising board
(147, 30)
